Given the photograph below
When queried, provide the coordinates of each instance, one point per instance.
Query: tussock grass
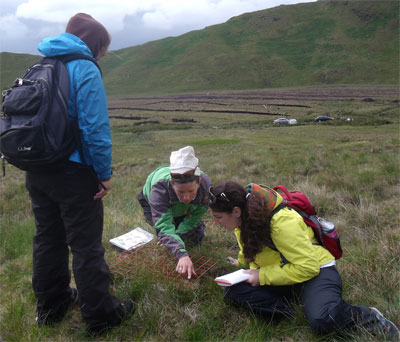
(350, 172)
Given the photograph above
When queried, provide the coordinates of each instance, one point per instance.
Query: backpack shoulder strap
(63, 73)
(65, 59)
(269, 241)
(279, 207)
(73, 57)
(273, 212)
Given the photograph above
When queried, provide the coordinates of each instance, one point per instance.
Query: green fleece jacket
(165, 206)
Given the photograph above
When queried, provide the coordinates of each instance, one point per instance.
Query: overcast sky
(23, 23)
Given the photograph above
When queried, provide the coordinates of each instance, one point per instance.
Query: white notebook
(232, 278)
(135, 238)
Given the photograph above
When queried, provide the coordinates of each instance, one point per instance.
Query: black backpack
(35, 131)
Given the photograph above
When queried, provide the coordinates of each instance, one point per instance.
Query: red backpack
(324, 231)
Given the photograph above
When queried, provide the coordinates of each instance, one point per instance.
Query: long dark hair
(255, 229)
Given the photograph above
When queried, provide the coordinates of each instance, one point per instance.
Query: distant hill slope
(319, 43)
(12, 66)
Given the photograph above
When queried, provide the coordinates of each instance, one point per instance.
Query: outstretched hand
(184, 266)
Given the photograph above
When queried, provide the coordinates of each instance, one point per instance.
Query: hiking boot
(52, 316)
(125, 309)
(383, 326)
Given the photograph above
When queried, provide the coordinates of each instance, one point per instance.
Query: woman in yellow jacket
(300, 268)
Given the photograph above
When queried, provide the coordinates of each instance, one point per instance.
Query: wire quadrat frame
(156, 262)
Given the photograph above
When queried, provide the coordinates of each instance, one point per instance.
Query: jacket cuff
(181, 253)
(104, 175)
(261, 277)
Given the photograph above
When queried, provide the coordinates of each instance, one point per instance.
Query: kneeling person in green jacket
(174, 200)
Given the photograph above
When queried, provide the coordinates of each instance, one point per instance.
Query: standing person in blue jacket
(67, 203)
(174, 200)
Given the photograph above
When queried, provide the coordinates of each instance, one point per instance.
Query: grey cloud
(135, 32)
(35, 31)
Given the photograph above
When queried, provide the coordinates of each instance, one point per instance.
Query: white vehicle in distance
(281, 121)
(284, 121)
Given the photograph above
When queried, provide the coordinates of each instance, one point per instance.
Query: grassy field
(349, 169)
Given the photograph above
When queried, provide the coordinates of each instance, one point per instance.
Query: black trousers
(321, 298)
(67, 217)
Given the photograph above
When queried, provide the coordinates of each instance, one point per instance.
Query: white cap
(184, 160)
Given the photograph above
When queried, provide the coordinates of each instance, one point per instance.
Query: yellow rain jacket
(296, 242)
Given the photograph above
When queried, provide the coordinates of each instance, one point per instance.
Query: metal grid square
(155, 261)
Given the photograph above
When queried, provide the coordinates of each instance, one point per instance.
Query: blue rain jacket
(87, 101)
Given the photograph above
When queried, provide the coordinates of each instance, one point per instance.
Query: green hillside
(13, 65)
(320, 43)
